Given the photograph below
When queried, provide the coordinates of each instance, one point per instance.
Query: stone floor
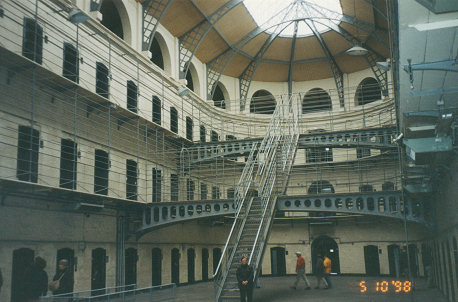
(345, 289)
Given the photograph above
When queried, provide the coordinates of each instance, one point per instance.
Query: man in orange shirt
(300, 270)
(327, 270)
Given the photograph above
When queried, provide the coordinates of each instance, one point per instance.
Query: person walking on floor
(300, 271)
(245, 276)
(327, 270)
(35, 281)
(319, 272)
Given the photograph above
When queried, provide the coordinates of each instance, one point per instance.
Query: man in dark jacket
(35, 280)
(66, 278)
(245, 277)
(319, 272)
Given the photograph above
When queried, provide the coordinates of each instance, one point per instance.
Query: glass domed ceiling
(281, 15)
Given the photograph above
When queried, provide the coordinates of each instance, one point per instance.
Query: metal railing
(166, 292)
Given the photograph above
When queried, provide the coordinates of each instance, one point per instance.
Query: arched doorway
(191, 265)
(371, 260)
(278, 261)
(204, 264)
(216, 257)
(69, 255)
(98, 274)
(175, 263)
(22, 259)
(156, 266)
(393, 260)
(130, 262)
(325, 245)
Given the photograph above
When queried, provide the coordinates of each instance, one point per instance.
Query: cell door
(175, 266)
(22, 259)
(371, 259)
(278, 261)
(156, 266)
(130, 262)
(98, 275)
(204, 264)
(216, 257)
(393, 260)
(191, 265)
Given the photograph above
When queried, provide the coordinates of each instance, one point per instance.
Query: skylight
(269, 13)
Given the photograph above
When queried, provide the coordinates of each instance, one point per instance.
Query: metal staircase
(267, 170)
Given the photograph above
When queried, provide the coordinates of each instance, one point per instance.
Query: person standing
(319, 272)
(66, 279)
(245, 277)
(300, 271)
(35, 281)
(327, 270)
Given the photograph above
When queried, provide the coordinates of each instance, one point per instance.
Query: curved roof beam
(336, 72)
(150, 9)
(190, 41)
(291, 59)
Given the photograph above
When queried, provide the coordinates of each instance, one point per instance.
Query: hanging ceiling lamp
(357, 51)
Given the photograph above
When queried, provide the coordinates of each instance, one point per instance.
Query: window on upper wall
(32, 40)
(203, 134)
(316, 155)
(27, 154)
(157, 185)
(203, 191)
(230, 193)
(316, 100)
(68, 164)
(101, 169)
(111, 18)
(189, 128)
(215, 192)
(132, 94)
(189, 80)
(363, 152)
(368, 91)
(230, 137)
(101, 80)
(214, 137)
(173, 120)
(262, 102)
(190, 188)
(70, 68)
(218, 97)
(131, 179)
(156, 54)
(173, 187)
(157, 110)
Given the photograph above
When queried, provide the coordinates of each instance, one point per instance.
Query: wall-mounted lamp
(76, 16)
(357, 51)
(183, 91)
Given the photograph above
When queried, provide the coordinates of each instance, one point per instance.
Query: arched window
(315, 100)
(32, 42)
(156, 54)
(173, 120)
(189, 128)
(111, 18)
(214, 137)
(203, 134)
(218, 97)
(157, 110)
(189, 80)
(368, 91)
(262, 102)
(321, 186)
(70, 68)
(132, 94)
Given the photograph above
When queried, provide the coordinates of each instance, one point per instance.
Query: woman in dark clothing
(245, 277)
(66, 279)
(35, 280)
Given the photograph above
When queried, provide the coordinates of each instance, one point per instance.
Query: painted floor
(345, 289)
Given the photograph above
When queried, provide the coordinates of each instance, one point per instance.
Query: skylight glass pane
(275, 15)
